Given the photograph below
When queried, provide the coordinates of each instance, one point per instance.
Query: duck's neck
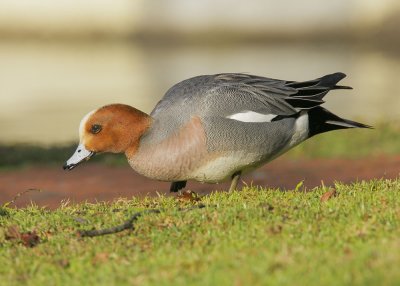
(140, 123)
(170, 156)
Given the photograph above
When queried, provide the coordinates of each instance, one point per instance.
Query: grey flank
(213, 98)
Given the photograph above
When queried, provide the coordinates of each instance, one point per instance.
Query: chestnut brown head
(113, 128)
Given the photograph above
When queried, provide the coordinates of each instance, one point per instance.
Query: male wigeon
(211, 128)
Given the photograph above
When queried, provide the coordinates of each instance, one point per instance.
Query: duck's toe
(188, 195)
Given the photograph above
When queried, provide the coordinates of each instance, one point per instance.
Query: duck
(212, 128)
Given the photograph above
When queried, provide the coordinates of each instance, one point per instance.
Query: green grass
(251, 237)
(383, 140)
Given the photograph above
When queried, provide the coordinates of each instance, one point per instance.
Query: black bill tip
(69, 167)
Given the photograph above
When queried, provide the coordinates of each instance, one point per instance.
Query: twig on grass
(19, 195)
(128, 224)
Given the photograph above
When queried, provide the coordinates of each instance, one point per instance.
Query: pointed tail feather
(322, 120)
(328, 81)
(331, 80)
(315, 90)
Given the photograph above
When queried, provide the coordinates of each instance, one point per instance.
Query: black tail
(328, 82)
(310, 93)
(321, 120)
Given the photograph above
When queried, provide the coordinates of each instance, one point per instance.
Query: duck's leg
(235, 180)
(176, 186)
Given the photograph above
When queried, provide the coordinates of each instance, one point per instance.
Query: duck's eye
(96, 128)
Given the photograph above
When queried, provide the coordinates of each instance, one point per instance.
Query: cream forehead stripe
(83, 122)
(251, 116)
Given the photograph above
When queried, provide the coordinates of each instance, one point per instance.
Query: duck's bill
(81, 154)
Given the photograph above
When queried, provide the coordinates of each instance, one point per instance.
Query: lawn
(251, 237)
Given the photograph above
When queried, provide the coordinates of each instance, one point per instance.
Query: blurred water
(46, 88)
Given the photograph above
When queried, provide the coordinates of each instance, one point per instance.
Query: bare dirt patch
(96, 182)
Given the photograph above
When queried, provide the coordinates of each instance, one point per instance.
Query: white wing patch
(251, 116)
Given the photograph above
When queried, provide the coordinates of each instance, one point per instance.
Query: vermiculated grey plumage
(291, 111)
(217, 96)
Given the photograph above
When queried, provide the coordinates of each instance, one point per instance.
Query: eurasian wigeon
(211, 128)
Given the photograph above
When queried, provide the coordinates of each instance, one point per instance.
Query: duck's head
(114, 128)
